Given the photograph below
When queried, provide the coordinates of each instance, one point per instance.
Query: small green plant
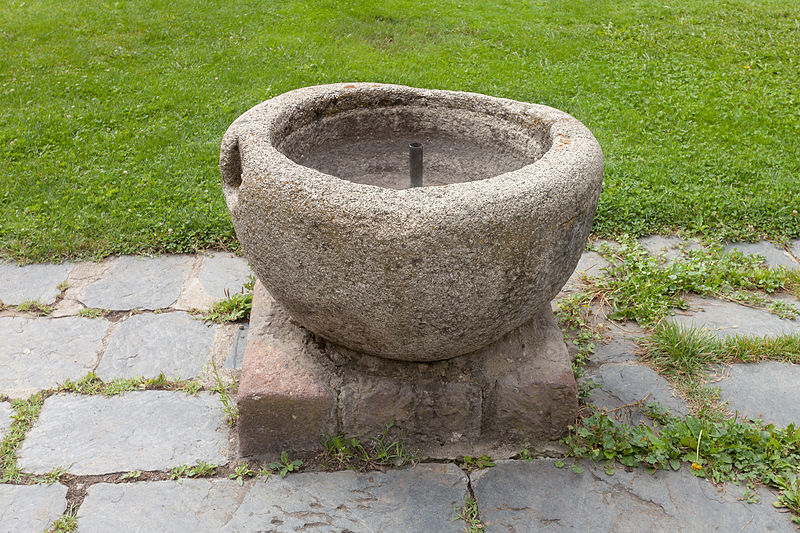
(469, 514)
(202, 469)
(639, 286)
(67, 522)
(241, 472)
(284, 466)
(91, 312)
(351, 453)
(25, 414)
(525, 455)
(134, 474)
(229, 406)
(179, 471)
(265, 472)
(64, 285)
(90, 384)
(234, 308)
(789, 496)
(55, 475)
(477, 463)
(35, 308)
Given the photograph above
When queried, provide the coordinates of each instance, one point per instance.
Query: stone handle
(230, 162)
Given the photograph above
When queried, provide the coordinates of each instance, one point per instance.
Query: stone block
(285, 398)
(296, 387)
(420, 411)
(40, 282)
(141, 430)
(30, 507)
(5, 418)
(773, 255)
(521, 497)
(767, 390)
(139, 283)
(415, 499)
(729, 318)
(40, 353)
(174, 344)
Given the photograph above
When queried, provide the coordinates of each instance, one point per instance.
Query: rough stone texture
(667, 247)
(139, 283)
(422, 410)
(416, 274)
(39, 353)
(30, 507)
(765, 390)
(618, 350)
(285, 399)
(143, 430)
(519, 497)
(236, 355)
(624, 384)
(417, 499)
(40, 282)
(774, 256)
(294, 387)
(728, 318)
(5, 418)
(174, 344)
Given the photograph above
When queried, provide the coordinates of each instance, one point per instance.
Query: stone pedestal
(296, 387)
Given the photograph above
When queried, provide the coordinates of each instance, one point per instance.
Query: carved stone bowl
(316, 181)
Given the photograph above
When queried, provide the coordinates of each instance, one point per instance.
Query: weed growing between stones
(32, 307)
(350, 453)
(284, 466)
(469, 514)
(25, 414)
(729, 450)
(241, 472)
(229, 406)
(477, 463)
(201, 469)
(638, 286)
(234, 308)
(91, 312)
(90, 384)
(67, 522)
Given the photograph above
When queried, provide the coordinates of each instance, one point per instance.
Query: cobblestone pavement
(133, 316)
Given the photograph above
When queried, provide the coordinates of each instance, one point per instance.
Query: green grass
(113, 111)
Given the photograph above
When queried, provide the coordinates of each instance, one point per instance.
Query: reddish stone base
(296, 387)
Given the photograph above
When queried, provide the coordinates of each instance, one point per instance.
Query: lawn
(112, 113)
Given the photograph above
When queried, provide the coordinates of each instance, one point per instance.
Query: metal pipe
(415, 163)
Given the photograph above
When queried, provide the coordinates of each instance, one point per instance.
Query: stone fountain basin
(316, 183)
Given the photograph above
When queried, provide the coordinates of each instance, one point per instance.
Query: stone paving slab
(142, 430)
(618, 350)
(39, 353)
(139, 283)
(767, 390)
(728, 318)
(5, 418)
(38, 282)
(532, 497)
(223, 272)
(624, 384)
(30, 507)
(174, 344)
(416, 499)
(774, 256)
